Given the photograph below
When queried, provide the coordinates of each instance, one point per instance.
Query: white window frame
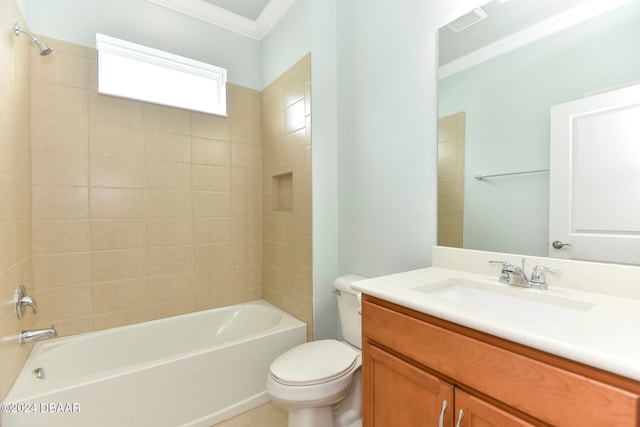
(138, 72)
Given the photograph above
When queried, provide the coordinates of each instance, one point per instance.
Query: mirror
(498, 80)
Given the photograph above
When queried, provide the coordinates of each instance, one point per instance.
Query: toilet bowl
(319, 382)
(312, 382)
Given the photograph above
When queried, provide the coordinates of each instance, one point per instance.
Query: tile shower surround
(142, 211)
(15, 193)
(286, 142)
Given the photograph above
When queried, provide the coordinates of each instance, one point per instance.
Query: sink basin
(513, 303)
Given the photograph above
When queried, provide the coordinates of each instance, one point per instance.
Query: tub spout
(37, 335)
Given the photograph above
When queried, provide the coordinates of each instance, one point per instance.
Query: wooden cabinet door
(397, 393)
(478, 413)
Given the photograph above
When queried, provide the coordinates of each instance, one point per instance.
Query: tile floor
(267, 415)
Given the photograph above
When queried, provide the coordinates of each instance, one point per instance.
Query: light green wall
(287, 42)
(324, 165)
(139, 21)
(374, 76)
(506, 134)
(387, 74)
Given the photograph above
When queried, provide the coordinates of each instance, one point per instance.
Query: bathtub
(190, 370)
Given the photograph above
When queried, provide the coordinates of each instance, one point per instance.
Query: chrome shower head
(42, 47)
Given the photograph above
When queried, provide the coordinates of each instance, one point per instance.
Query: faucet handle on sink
(538, 280)
(504, 273)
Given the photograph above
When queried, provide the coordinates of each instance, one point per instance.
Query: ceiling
(251, 18)
(510, 24)
(254, 18)
(250, 9)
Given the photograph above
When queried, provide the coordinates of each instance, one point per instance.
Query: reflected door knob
(559, 245)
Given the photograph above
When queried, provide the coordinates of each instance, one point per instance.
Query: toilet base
(349, 411)
(346, 413)
(318, 417)
(311, 417)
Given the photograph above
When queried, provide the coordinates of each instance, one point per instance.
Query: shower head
(42, 47)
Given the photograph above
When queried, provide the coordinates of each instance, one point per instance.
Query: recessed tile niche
(282, 192)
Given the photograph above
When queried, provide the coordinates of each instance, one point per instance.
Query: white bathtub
(191, 370)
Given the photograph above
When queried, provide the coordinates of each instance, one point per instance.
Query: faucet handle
(504, 273)
(21, 300)
(538, 279)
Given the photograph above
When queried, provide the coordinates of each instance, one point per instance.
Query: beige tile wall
(451, 138)
(287, 192)
(140, 211)
(116, 211)
(15, 191)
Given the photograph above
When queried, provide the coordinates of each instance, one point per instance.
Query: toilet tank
(349, 309)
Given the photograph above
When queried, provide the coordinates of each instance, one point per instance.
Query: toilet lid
(314, 362)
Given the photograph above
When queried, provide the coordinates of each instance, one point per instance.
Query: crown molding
(223, 18)
(530, 34)
(271, 14)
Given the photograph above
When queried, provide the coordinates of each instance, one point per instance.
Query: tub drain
(38, 373)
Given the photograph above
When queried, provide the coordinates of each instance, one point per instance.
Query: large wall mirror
(499, 78)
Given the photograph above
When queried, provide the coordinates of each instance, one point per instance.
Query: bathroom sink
(512, 303)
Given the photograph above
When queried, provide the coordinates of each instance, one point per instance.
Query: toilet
(319, 382)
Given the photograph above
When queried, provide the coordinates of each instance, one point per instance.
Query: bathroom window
(133, 71)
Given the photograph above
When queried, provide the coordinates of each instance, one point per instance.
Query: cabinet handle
(444, 408)
(460, 416)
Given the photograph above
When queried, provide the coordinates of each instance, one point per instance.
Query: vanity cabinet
(402, 394)
(413, 363)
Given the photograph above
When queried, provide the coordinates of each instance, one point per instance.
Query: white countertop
(606, 335)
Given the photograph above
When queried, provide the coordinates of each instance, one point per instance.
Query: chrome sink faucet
(537, 280)
(508, 269)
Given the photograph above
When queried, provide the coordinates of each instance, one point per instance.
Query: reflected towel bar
(483, 177)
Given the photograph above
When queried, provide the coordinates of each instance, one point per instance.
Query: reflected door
(595, 178)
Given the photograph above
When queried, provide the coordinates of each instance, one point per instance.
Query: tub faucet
(37, 335)
(21, 301)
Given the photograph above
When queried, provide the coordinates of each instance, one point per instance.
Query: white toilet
(319, 382)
